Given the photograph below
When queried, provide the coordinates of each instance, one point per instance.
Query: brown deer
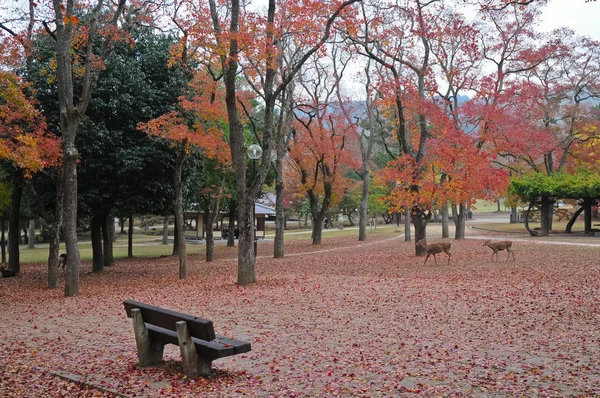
(435, 248)
(499, 246)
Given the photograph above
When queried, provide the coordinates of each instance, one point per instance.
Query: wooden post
(193, 365)
(150, 351)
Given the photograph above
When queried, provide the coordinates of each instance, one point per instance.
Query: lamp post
(254, 152)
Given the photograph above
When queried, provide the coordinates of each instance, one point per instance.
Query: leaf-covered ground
(344, 319)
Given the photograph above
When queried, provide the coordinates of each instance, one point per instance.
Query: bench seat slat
(238, 345)
(207, 349)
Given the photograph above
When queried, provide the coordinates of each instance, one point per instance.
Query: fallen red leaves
(352, 320)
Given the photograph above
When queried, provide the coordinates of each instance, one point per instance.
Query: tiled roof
(262, 209)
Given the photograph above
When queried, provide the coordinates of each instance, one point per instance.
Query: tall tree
(25, 144)
(196, 123)
(323, 135)
(252, 39)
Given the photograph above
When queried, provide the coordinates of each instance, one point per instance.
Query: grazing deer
(435, 248)
(62, 261)
(499, 246)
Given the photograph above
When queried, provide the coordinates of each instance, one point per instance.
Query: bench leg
(193, 365)
(150, 351)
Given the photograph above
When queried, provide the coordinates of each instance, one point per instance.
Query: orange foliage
(320, 153)
(198, 121)
(23, 140)
(453, 169)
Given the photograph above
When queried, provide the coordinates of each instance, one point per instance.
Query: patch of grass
(297, 234)
(143, 246)
(558, 226)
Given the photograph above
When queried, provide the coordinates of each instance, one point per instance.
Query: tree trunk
(278, 250)
(284, 133)
(179, 214)
(13, 226)
(444, 214)
(514, 215)
(130, 237)
(69, 129)
(211, 210)
(232, 223)
(108, 233)
(165, 231)
(420, 221)
(526, 221)
(364, 203)
(96, 230)
(317, 229)
(54, 221)
(459, 214)
(3, 239)
(246, 255)
(407, 237)
(587, 220)
(569, 227)
(545, 215)
(210, 245)
(31, 235)
(175, 239)
(53, 253)
(122, 223)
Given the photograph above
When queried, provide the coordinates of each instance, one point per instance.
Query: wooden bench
(199, 345)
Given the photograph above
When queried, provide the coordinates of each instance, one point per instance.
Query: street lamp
(254, 152)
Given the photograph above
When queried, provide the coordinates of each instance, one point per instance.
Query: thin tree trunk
(31, 234)
(3, 239)
(175, 240)
(210, 245)
(278, 249)
(108, 233)
(420, 220)
(53, 253)
(97, 257)
(130, 237)
(211, 210)
(407, 237)
(545, 214)
(587, 219)
(526, 221)
(444, 214)
(165, 237)
(246, 255)
(513, 215)
(284, 133)
(569, 227)
(364, 202)
(54, 221)
(232, 224)
(70, 206)
(13, 226)
(459, 214)
(179, 215)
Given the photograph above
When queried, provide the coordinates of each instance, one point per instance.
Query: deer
(435, 248)
(499, 246)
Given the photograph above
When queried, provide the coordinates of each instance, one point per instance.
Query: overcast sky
(583, 17)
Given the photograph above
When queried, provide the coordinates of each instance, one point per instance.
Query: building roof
(262, 209)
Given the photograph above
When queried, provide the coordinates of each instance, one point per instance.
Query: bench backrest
(198, 327)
